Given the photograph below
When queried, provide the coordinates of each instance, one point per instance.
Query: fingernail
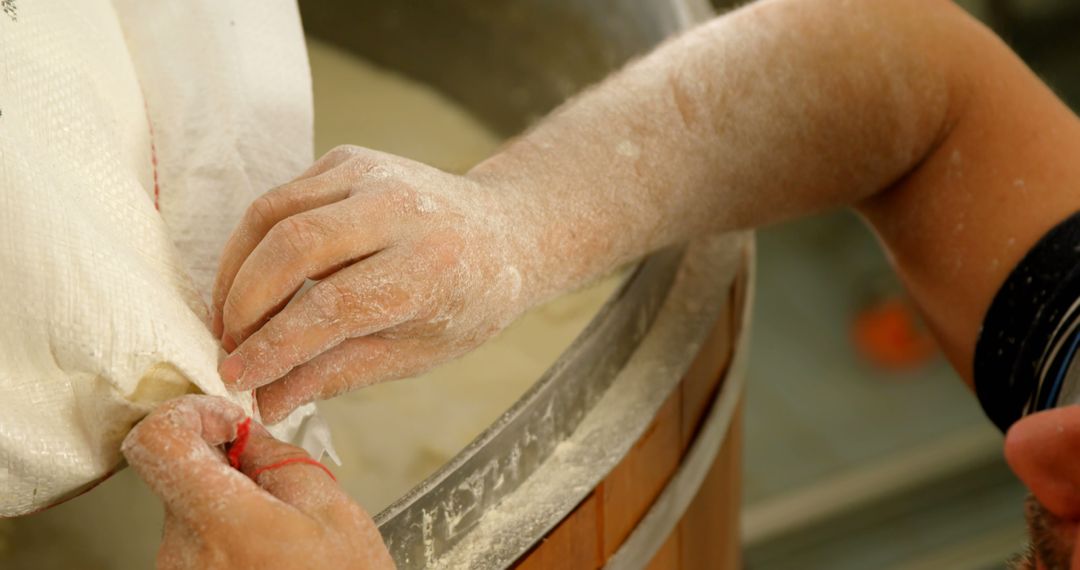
(228, 343)
(232, 369)
(231, 413)
(274, 413)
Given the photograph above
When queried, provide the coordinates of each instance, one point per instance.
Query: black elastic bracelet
(1023, 321)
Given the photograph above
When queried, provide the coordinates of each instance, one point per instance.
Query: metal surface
(510, 63)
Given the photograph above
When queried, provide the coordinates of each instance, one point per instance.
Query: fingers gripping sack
(120, 189)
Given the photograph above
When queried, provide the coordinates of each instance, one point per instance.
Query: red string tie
(243, 433)
(291, 461)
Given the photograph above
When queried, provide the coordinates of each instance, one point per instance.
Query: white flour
(390, 436)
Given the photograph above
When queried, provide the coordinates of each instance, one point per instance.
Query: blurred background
(863, 448)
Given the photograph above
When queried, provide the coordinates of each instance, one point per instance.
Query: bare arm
(908, 109)
(955, 152)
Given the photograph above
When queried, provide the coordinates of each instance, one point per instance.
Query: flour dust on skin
(390, 436)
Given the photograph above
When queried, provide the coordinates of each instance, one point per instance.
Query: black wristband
(1030, 313)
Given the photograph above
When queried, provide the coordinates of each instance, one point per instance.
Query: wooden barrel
(706, 535)
(649, 470)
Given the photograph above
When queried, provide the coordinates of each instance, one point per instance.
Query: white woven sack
(133, 135)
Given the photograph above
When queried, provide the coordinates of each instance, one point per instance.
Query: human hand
(267, 516)
(414, 267)
(1043, 450)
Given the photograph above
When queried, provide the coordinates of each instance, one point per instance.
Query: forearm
(778, 110)
(955, 152)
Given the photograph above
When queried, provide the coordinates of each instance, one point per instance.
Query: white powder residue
(389, 436)
(627, 148)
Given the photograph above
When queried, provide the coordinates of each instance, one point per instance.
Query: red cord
(291, 461)
(243, 432)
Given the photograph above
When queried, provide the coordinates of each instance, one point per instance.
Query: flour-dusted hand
(270, 515)
(413, 267)
(684, 142)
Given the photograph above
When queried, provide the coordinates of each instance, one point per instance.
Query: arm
(954, 151)
(908, 109)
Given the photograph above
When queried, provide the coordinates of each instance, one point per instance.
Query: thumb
(1043, 449)
(175, 452)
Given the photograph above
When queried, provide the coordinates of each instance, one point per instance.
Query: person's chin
(1051, 540)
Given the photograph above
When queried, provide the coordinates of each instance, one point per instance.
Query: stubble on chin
(1050, 541)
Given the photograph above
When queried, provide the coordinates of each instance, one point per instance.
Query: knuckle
(340, 382)
(331, 299)
(340, 156)
(342, 151)
(446, 247)
(401, 300)
(263, 210)
(296, 235)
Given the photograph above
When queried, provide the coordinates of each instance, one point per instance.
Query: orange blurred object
(890, 334)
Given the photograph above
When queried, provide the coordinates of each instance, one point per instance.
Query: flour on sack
(103, 296)
(391, 435)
